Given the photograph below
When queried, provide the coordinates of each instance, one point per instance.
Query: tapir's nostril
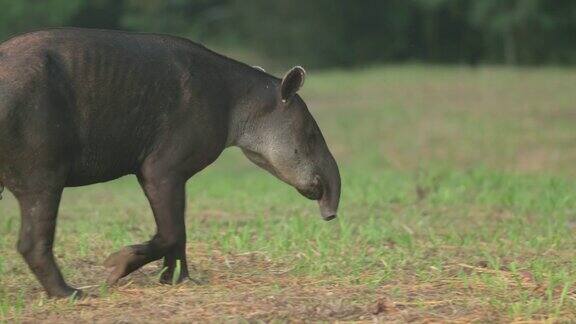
(329, 218)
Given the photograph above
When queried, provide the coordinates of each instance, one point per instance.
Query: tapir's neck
(252, 91)
(247, 88)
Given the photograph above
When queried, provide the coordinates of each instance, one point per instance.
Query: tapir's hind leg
(167, 199)
(39, 210)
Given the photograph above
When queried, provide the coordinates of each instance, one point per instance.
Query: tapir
(84, 106)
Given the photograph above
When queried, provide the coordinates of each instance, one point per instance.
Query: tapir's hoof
(118, 263)
(68, 292)
(168, 279)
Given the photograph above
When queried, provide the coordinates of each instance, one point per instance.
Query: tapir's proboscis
(81, 106)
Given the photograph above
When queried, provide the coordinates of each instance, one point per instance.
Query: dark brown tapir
(81, 106)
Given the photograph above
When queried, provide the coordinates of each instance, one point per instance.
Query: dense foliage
(334, 33)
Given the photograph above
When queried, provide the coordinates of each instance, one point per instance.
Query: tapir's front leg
(166, 194)
(167, 200)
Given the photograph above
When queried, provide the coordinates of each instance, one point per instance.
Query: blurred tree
(558, 43)
(325, 33)
(200, 19)
(99, 14)
(25, 15)
(509, 24)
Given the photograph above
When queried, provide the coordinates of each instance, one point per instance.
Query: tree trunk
(510, 48)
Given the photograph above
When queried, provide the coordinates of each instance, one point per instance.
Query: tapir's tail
(1, 190)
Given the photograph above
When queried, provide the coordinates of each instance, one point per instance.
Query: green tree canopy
(325, 33)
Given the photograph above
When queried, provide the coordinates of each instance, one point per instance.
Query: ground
(458, 205)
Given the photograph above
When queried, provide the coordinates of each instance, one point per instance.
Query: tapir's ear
(292, 82)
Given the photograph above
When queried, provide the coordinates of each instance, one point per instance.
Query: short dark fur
(81, 106)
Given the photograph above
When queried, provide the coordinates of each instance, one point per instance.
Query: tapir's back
(100, 73)
(110, 94)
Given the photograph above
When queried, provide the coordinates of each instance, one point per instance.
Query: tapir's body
(84, 106)
(101, 102)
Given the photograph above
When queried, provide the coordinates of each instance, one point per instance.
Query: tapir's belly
(109, 151)
(93, 164)
(32, 152)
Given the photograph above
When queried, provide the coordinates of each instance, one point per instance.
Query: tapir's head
(283, 138)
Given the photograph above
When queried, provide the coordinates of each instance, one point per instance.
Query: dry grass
(249, 287)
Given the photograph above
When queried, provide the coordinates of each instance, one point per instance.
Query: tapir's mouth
(312, 193)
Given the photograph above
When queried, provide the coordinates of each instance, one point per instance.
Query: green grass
(458, 203)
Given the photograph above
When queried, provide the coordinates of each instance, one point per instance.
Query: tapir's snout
(326, 190)
(330, 198)
(327, 212)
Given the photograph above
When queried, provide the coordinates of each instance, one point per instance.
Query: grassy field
(459, 204)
